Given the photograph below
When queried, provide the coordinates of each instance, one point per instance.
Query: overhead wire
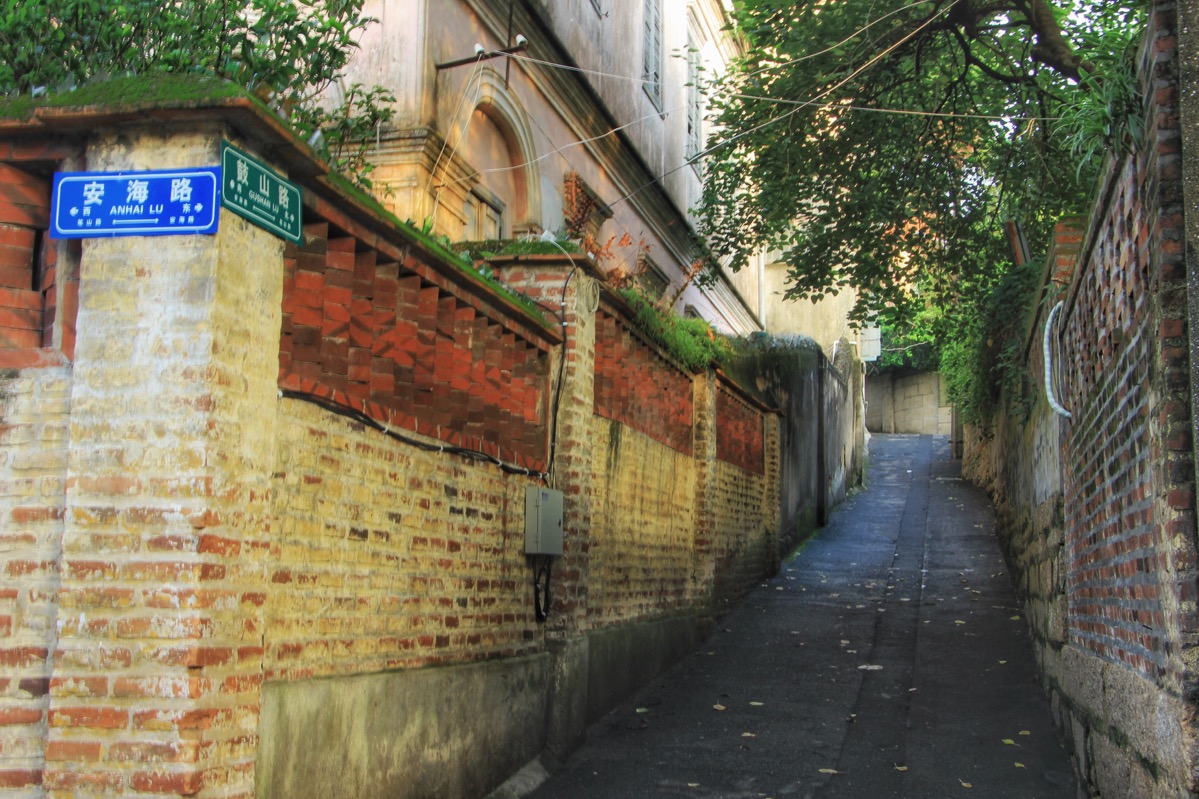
(475, 76)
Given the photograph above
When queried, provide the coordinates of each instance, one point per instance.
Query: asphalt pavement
(888, 658)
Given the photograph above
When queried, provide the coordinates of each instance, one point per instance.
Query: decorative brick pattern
(176, 534)
(24, 216)
(34, 329)
(1126, 384)
(738, 431)
(638, 386)
(391, 339)
(1097, 510)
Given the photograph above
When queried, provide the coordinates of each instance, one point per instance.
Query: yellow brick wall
(177, 533)
(387, 557)
(643, 527)
(745, 543)
(34, 429)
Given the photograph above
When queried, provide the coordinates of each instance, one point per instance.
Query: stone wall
(908, 403)
(1097, 509)
(248, 508)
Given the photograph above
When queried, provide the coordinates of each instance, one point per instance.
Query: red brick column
(565, 287)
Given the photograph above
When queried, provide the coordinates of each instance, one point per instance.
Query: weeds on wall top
(691, 342)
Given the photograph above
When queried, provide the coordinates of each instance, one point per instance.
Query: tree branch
(1051, 48)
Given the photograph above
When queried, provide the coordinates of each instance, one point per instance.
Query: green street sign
(253, 191)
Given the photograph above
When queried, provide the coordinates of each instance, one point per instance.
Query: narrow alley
(889, 658)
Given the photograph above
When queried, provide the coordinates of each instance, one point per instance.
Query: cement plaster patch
(622, 659)
(454, 732)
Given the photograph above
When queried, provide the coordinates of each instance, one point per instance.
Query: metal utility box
(543, 521)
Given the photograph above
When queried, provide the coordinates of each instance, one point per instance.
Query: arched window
(499, 197)
(497, 144)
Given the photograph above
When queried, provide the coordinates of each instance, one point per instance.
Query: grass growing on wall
(691, 342)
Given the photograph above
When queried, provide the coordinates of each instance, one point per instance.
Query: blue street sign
(156, 203)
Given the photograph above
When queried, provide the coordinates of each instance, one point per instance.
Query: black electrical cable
(541, 588)
(364, 419)
(561, 368)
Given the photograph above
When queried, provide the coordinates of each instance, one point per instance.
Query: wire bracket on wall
(483, 54)
(1048, 353)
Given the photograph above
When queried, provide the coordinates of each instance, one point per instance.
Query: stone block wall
(229, 562)
(911, 403)
(1097, 509)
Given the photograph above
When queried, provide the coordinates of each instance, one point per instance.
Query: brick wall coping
(60, 129)
(617, 306)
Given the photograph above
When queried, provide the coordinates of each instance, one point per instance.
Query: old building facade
(584, 118)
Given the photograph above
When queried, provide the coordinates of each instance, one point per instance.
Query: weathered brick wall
(34, 431)
(1097, 510)
(374, 328)
(35, 404)
(643, 527)
(637, 386)
(739, 434)
(213, 545)
(387, 557)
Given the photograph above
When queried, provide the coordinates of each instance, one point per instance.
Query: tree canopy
(881, 144)
(288, 52)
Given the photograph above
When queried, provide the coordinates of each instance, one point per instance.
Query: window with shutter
(652, 58)
(695, 117)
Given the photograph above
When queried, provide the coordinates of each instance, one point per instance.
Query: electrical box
(543, 521)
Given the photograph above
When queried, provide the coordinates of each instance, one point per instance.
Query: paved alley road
(887, 659)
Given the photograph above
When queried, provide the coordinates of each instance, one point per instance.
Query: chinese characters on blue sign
(154, 203)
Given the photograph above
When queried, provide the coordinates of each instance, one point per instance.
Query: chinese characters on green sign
(253, 190)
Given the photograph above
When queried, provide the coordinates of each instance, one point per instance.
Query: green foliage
(691, 342)
(1106, 116)
(881, 146)
(288, 52)
(489, 248)
(987, 364)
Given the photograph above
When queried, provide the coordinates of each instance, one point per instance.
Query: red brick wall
(1128, 486)
(639, 387)
(29, 294)
(738, 431)
(1096, 510)
(390, 336)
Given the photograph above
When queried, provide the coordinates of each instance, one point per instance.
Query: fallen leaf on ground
(1016, 617)
(748, 735)
(829, 771)
(693, 785)
(759, 704)
(966, 784)
(1019, 765)
(1025, 732)
(901, 768)
(1009, 742)
(643, 710)
(869, 667)
(719, 707)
